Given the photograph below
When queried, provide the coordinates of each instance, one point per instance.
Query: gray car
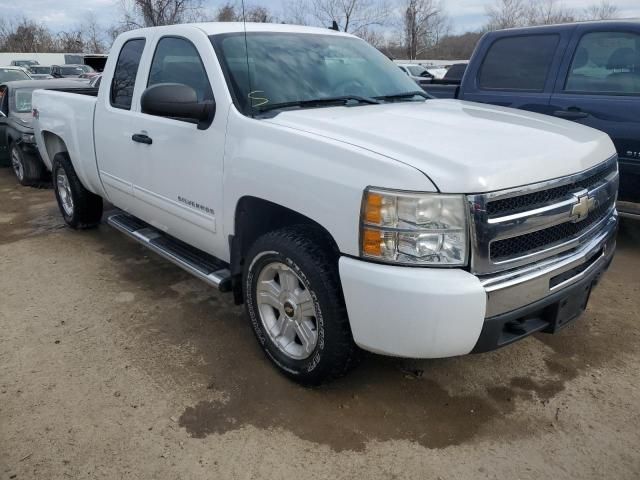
(17, 143)
(40, 72)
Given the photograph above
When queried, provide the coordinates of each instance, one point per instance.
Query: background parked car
(40, 72)
(95, 81)
(8, 74)
(70, 71)
(453, 76)
(418, 73)
(17, 143)
(24, 63)
(437, 72)
(585, 72)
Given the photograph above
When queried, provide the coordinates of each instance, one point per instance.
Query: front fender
(320, 178)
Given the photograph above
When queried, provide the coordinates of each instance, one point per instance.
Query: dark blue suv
(586, 72)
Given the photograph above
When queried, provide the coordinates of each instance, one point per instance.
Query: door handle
(142, 138)
(571, 113)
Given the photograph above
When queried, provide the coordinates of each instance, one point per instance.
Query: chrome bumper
(511, 290)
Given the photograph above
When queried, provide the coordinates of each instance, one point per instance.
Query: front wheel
(295, 305)
(79, 207)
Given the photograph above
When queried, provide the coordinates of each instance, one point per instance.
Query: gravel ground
(116, 364)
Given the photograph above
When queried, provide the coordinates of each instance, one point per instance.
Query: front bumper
(433, 313)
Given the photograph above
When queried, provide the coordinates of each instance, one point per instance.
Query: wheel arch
(253, 218)
(53, 144)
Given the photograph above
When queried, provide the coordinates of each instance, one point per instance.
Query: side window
(606, 62)
(176, 60)
(124, 77)
(518, 63)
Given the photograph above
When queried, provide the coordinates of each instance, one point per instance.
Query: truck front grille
(536, 199)
(540, 239)
(520, 226)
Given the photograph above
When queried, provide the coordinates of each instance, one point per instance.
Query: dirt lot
(116, 364)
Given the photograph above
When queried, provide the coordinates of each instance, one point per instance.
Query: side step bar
(204, 266)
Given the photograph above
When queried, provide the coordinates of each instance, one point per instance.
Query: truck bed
(68, 114)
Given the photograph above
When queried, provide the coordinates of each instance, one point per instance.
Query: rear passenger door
(599, 86)
(516, 71)
(115, 121)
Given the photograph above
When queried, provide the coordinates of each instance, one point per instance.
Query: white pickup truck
(300, 169)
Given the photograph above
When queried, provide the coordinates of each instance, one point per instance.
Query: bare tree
(25, 36)
(601, 11)
(548, 12)
(296, 12)
(70, 41)
(521, 13)
(424, 24)
(259, 14)
(152, 13)
(92, 34)
(350, 15)
(506, 14)
(227, 13)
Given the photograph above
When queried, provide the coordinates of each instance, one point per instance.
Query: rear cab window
(606, 63)
(518, 63)
(126, 71)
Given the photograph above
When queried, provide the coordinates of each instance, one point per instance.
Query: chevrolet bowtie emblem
(584, 205)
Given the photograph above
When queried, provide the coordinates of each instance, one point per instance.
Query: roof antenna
(246, 51)
(334, 26)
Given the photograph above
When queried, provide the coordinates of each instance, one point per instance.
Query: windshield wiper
(318, 102)
(404, 96)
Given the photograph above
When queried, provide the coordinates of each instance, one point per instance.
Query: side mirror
(179, 101)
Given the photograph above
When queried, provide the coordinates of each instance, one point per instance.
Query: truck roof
(615, 24)
(215, 28)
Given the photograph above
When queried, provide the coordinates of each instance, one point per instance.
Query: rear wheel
(28, 168)
(79, 207)
(295, 304)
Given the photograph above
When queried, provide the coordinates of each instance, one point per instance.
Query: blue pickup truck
(586, 72)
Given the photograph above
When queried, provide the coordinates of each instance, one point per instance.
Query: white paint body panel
(463, 147)
(412, 312)
(317, 162)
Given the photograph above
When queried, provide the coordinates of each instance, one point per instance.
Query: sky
(65, 14)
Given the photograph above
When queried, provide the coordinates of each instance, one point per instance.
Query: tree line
(408, 29)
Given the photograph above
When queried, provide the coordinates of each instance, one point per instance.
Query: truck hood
(463, 147)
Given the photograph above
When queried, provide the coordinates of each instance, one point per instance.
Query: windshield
(22, 100)
(24, 63)
(75, 70)
(40, 70)
(286, 67)
(8, 75)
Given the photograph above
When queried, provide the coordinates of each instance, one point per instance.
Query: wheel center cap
(289, 309)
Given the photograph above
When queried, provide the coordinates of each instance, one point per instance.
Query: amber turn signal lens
(373, 208)
(372, 242)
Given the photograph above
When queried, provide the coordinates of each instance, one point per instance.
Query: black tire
(86, 210)
(28, 169)
(300, 248)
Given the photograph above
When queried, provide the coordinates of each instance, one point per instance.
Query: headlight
(414, 228)
(28, 138)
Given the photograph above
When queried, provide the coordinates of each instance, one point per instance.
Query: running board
(204, 266)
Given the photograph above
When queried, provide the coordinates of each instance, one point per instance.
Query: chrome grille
(519, 226)
(544, 197)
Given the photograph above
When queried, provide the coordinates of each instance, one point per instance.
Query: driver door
(177, 177)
